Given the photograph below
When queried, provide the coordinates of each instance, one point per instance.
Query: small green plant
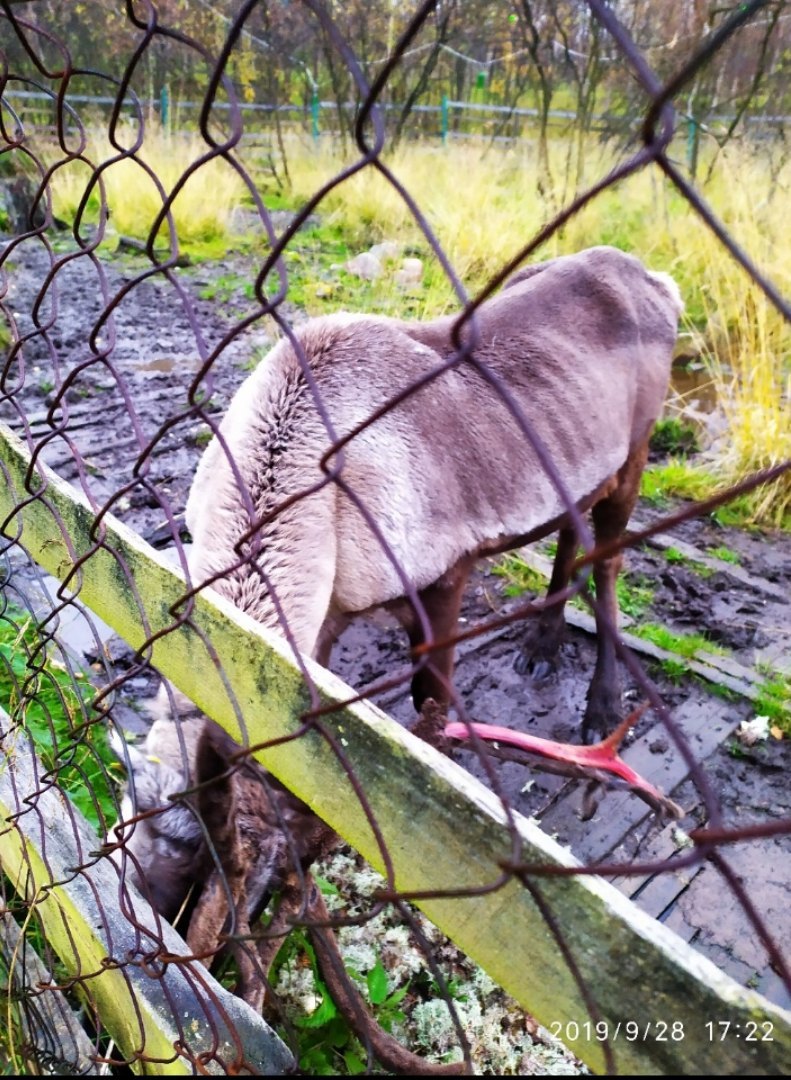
(725, 554)
(675, 670)
(740, 513)
(717, 689)
(326, 1043)
(674, 436)
(686, 645)
(675, 478)
(520, 577)
(635, 594)
(386, 1005)
(5, 334)
(224, 288)
(774, 701)
(52, 705)
(634, 591)
(203, 437)
(678, 558)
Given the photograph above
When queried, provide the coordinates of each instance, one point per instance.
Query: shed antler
(601, 762)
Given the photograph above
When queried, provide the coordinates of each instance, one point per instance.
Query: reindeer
(581, 347)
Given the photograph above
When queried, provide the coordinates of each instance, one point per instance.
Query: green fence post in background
(444, 119)
(164, 106)
(693, 135)
(314, 112)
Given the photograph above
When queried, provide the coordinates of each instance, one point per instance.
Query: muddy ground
(745, 607)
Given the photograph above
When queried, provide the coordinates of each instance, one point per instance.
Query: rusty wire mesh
(44, 283)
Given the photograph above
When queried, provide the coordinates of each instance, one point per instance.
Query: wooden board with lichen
(148, 1007)
(440, 828)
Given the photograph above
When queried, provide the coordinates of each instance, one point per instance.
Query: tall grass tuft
(746, 342)
(202, 210)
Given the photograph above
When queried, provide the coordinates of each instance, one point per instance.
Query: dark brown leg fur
(610, 518)
(542, 640)
(441, 603)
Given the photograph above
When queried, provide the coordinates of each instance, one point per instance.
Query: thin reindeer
(580, 345)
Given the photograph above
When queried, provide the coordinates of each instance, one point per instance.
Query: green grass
(635, 592)
(677, 558)
(717, 689)
(675, 670)
(52, 704)
(774, 701)
(725, 554)
(672, 435)
(202, 210)
(520, 578)
(683, 645)
(227, 287)
(676, 478)
(680, 478)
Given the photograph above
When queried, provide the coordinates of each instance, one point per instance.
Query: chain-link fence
(367, 463)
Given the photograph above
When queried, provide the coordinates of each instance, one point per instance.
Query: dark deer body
(581, 344)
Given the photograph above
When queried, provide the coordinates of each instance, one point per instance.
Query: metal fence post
(693, 135)
(164, 106)
(314, 112)
(444, 119)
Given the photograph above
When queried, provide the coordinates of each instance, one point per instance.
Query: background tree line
(544, 55)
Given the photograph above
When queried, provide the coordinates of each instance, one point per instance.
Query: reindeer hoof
(598, 722)
(430, 725)
(534, 666)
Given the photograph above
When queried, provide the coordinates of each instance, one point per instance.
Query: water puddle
(693, 384)
(167, 365)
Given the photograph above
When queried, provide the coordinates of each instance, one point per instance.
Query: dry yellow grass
(201, 211)
(485, 207)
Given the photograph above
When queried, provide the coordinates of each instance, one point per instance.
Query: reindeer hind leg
(441, 604)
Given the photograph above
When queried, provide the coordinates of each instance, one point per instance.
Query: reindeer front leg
(542, 640)
(603, 711)
(610, 518)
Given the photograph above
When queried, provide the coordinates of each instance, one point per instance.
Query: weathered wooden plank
(620, 812)
(442, 829)
(146, 1009)
(48, 1023)
(720, 670)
